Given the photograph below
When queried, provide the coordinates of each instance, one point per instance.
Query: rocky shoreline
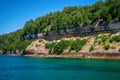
(90, 55)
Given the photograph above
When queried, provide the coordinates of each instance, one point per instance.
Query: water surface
(33, 68)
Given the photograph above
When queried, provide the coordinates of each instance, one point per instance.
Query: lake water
(31, 68)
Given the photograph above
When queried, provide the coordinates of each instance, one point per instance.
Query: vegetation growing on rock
(78, 44)
(115, 39)
(106, 47)
(91, 48)
(100, 44)
(59, 47)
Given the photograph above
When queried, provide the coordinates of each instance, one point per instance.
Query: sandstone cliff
(98, 43)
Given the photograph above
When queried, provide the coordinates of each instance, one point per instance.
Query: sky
(14, 13)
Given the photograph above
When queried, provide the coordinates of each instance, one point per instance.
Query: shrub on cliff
(106, 47)
(105, 39)
(115, 39)
(61, 46)
(50, 46)
(91, 48)
(58, 47)
(40, 40)
(78, 44)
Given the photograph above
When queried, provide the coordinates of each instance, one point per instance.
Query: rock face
(37, 47)
(0, 51)
(79, 31)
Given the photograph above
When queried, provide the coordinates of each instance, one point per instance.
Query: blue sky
(14, 13)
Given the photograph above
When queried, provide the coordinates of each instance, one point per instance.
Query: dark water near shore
(31, 68)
